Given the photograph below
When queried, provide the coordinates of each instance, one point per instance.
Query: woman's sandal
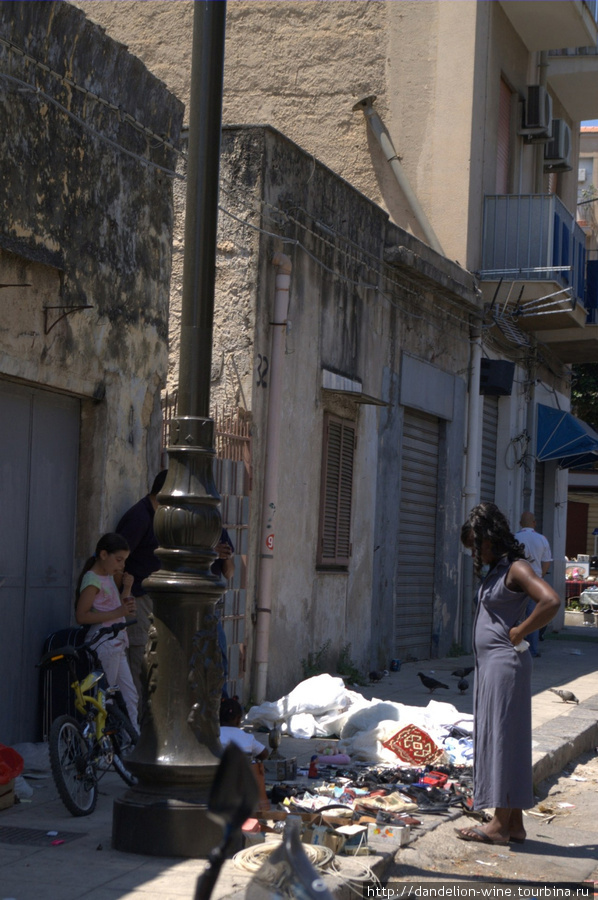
(477, 836)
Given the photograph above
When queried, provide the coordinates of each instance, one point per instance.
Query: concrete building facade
(87, 137)
(474, 111)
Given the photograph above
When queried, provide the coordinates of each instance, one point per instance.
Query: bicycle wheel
(73, 775)
(123, 737)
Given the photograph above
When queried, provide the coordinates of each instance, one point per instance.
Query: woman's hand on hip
(515, 635)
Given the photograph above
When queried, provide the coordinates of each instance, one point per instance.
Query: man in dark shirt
(137, 527)
(224, 566)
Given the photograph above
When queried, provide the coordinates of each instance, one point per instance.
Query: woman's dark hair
(487, 523)
(111, 543)
(158, 482)
(230, 710)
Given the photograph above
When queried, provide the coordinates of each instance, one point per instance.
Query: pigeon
(463, 673)
(377, 676)
(463, 685)
(566, 696)
(431, 683)
(274, 739)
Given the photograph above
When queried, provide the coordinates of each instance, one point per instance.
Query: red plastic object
(438, 779)
(11, 764)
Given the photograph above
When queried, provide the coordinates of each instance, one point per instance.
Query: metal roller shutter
(489, 438)
(39, 453)
(414, 602)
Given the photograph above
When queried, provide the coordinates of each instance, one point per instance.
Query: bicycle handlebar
(73, 652)
(106, 630)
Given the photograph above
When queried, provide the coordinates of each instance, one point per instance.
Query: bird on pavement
(431, 683)
(463, 685)
(463, 673)
(566, 696)
(274, 739)
(377, 676)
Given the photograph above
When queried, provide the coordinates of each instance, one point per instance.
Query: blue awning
(563, 437)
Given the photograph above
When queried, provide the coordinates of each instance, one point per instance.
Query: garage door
(414, 603)
(39, 444)
(489, 439)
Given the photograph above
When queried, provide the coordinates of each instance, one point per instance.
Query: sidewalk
(85, 865)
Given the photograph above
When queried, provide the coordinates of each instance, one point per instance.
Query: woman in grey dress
(502, 769)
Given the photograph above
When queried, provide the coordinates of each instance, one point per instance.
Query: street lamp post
(178, 751)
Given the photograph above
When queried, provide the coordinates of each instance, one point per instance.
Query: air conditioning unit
(537, 112)
(557, 152)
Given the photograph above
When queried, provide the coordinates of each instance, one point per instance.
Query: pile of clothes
(371, 731)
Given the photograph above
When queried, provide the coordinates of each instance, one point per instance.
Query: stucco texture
(86, 236)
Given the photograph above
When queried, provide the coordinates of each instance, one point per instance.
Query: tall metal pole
(179, 748)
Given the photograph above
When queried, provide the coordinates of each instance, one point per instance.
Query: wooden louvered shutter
(334, 542)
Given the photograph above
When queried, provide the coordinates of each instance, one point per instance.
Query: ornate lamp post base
(179, 749)
(163, 827)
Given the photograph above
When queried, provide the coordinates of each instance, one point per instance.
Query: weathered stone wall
(434, 67)
(354, 312)
(87, 199)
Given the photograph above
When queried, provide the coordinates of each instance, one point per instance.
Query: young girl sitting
(230, 732)
(100, 603)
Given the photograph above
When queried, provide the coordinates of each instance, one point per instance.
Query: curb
(563, 739)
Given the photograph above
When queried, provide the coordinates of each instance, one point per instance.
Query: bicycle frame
(90, 705)
(85, 700)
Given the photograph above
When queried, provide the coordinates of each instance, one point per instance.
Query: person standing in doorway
(137, 527)
(539, 556)
(224, 566)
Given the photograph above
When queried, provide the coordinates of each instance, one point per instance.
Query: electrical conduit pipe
(270, 493)
(471, 491)
(387, 147)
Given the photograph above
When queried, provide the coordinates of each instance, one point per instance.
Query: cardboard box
(280, 769)
(393, 835)
(356, 838)
(7, 794)
(336, 817)
(326, 837)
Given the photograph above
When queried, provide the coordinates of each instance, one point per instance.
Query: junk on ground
(362, 809)
(372, 731)
(11, 766)
(392, 765)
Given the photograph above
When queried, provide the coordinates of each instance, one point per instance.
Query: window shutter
(334, 544)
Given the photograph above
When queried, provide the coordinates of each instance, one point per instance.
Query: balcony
(573, 77)
(534, 272)
(552, 24)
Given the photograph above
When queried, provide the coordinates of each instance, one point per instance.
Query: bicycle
(82, 751)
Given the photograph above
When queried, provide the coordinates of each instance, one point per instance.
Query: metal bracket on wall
(66, 311)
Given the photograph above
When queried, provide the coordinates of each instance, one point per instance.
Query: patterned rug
(414, 745)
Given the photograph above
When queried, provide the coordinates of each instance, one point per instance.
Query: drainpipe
(471, 491)
(529, 470)
(270, 494)
(543, 80)
(387, 147)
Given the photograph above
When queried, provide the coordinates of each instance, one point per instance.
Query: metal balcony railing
(533, 237)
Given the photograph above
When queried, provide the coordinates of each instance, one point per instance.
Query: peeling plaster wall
(87, 223)
(353, 313)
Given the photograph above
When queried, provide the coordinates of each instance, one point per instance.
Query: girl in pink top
(99, 603)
